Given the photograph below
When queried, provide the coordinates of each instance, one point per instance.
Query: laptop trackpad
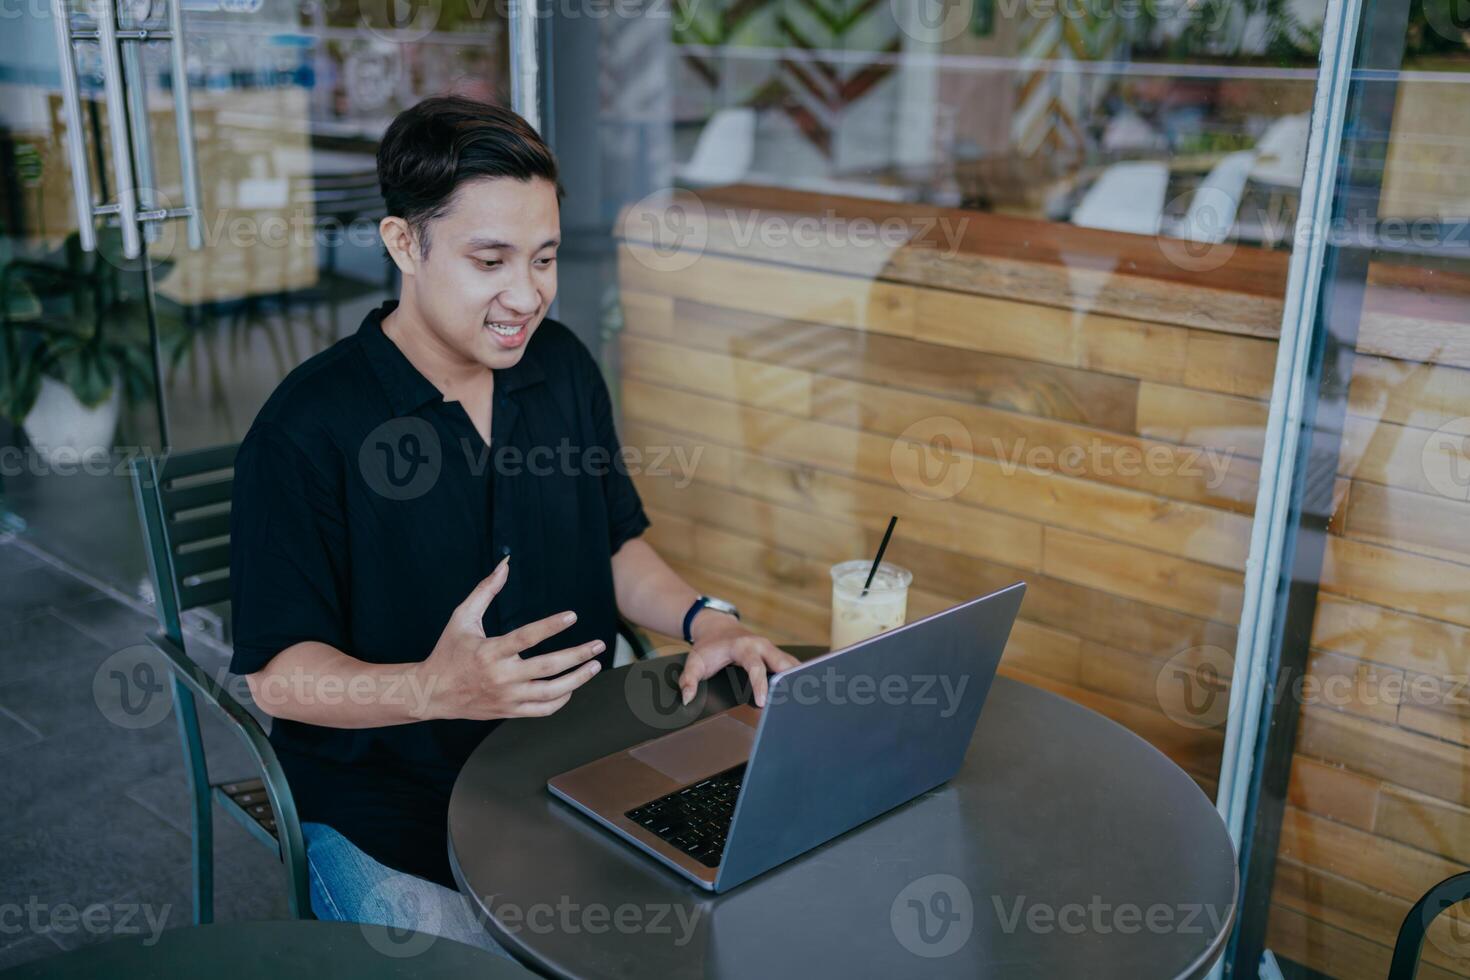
(700, 750)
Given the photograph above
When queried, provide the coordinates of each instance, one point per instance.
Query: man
(432, 529)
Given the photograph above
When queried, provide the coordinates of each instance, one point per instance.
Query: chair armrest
(205, 686)
(283, 804)
(1406, 949)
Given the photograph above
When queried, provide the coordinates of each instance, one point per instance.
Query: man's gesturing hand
(479, 677)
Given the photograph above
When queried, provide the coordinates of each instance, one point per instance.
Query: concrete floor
(97, 814)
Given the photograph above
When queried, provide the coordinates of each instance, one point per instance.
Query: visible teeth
(506, 330)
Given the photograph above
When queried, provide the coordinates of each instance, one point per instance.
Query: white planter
(63, 430)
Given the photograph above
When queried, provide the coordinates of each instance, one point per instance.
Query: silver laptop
(843, 738)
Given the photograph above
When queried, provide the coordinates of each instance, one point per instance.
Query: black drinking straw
(878, 560)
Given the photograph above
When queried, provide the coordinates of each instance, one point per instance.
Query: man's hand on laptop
(720, 640)
(483, 678)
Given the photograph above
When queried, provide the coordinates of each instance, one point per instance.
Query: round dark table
(278, 950)
(1065, 847)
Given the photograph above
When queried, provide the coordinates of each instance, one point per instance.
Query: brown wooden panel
(1135, 678)
(1342, 683)
(1356, 855)
(1408, 392)
(1399, 334)
(1196, 751)
(754, 383)
(996, 326)
(1385, 752)
(971, 376)
(650, 314)
(1360, 910)
(1137, 349)
(1162, 468)
(1061, 606)
(1333, 792)
(1390, 636)
(1398, 579)
(1424, 822)
(1406, 457)
(1173, 527)
(1429, 524)
(1230, 364)
(1003, 256)
(1436, 707)
(1337, 952)
(1174, 583)
(1235, 426)
(778, 290)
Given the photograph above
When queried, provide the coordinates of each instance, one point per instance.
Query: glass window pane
(1013, 272)
(1378, 805)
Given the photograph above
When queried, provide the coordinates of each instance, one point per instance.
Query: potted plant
(66, 390)
(61, 382)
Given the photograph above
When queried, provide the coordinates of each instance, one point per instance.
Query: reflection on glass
(287, 103)
(1011, 271)
(1378, 809)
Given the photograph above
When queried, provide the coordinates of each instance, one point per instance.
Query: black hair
(442, 142)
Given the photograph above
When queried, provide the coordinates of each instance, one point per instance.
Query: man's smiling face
(490, 274)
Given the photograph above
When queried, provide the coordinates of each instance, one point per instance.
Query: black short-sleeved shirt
(366, 508)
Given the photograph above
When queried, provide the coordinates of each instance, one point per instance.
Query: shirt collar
(409, 390)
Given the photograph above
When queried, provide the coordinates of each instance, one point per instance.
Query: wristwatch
(719, 605)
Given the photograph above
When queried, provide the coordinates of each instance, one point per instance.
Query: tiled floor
(96, 814)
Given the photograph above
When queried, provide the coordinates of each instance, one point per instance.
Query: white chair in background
(1214, 204)
(1281, 152)
(1129, 132)
(1126, 197)
(724, 151)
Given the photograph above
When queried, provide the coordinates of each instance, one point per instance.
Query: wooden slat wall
(1113, 465)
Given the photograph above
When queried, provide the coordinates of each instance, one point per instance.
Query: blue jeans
(349, 886)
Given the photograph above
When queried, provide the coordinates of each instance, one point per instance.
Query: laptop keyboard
(695, 819)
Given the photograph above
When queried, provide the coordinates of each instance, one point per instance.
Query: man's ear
(398, 239)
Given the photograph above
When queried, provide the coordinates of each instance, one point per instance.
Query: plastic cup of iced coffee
(857, 615)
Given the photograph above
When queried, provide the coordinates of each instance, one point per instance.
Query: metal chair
(184, 507)
(1451, 891)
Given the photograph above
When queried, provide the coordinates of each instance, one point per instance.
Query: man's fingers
(696, 668)
(471, 612)
(533, 633)
(539, 709)
(558, 687)
(778, 659)
(755, 669)
(551, 664)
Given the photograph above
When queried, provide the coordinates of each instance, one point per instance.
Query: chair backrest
(725, 148)
(184, 506)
